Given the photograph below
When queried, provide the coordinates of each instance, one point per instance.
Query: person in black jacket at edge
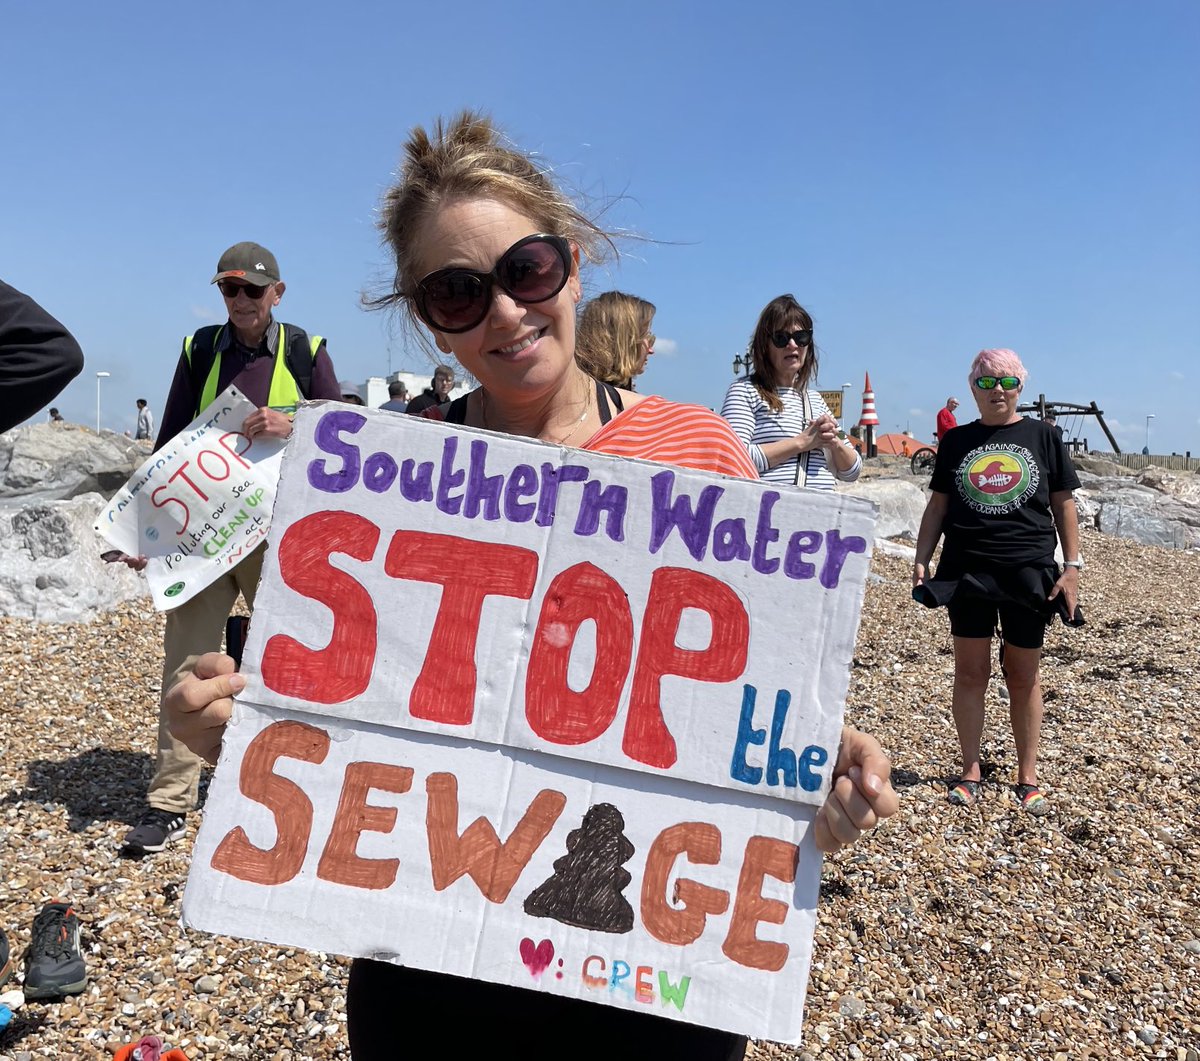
(38, 357)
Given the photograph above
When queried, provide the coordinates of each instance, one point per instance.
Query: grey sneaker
(156, 829)
(54, 963)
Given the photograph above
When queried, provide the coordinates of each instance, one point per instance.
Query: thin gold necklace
(587, 408)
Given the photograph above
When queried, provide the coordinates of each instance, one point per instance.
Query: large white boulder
(50, 566)
(52, 461)
(901, 503)
(1148, 516)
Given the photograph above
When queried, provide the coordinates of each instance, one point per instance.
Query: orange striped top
(689, 436)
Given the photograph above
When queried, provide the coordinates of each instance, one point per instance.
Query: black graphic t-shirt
(999, 481)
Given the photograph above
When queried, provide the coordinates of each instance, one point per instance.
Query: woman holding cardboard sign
(487, 255)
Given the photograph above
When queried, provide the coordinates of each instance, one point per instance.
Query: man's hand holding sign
(202, 502)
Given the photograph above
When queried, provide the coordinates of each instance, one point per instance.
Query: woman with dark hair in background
(787, 428)
(613, 338)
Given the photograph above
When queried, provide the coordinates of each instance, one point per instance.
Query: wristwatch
(1078, 564)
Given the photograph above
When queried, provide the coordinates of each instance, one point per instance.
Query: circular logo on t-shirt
(998, 478)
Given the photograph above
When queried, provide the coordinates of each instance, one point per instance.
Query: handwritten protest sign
(538, 716)
(199, 505)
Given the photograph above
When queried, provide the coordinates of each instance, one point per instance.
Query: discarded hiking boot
(6, 962)
(156, 829)
(54, 963)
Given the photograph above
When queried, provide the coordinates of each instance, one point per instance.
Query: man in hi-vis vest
(275, 365)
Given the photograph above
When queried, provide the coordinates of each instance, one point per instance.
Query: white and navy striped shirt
(754, 423)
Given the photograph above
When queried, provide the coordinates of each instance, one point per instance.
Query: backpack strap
(200, 350)
(301, 353)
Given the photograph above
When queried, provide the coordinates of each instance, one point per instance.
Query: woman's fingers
(862, 793)
(844, 816)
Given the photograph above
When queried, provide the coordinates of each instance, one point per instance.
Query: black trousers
(393, 1010)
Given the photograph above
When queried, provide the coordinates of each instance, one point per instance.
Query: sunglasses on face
(801, 337)
(532, 270)
(252, 291)
(987, 383)
(649, 341)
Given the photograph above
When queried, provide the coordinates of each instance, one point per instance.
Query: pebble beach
(979, 933)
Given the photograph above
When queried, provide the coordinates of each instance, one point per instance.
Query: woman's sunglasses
(533, 269)
(987, 383)
(801, 337)
(252, 291)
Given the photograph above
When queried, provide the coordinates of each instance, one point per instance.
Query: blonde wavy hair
(608, 337)
(466, 158)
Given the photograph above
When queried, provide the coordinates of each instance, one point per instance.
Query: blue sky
(928, 178)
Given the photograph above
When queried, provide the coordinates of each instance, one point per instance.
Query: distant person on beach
(487, 256)
(145, 421)
(946, 419)
(1052, 420)
(397, 397)
(1001, 491)
(38, 357)
(275, 365)
(614, 340)
(436, 396)
(786, 427)
(56, 417)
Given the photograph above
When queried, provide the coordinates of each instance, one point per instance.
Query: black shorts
(977, 617)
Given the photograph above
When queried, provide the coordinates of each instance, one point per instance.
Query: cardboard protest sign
(199, 505)
(538, 716)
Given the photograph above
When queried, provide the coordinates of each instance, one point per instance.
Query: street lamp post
(741, 364)
(1149, 417)
(845, 387)
(99, 377)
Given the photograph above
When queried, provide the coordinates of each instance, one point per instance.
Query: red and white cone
(869, 417)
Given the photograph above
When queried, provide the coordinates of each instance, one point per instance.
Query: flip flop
(1032, 801)
(964, 793)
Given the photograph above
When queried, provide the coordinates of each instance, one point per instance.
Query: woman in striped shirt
(788, 430)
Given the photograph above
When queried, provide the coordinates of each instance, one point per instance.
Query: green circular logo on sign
(173, 591)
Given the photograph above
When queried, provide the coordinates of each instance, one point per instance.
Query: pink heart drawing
(536, 956)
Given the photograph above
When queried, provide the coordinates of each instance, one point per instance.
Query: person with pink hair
(1001, 494)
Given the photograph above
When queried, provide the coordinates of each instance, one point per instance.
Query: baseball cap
(251, 262)
(349, 390)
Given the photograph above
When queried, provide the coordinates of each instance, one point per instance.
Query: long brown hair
(780, 314)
